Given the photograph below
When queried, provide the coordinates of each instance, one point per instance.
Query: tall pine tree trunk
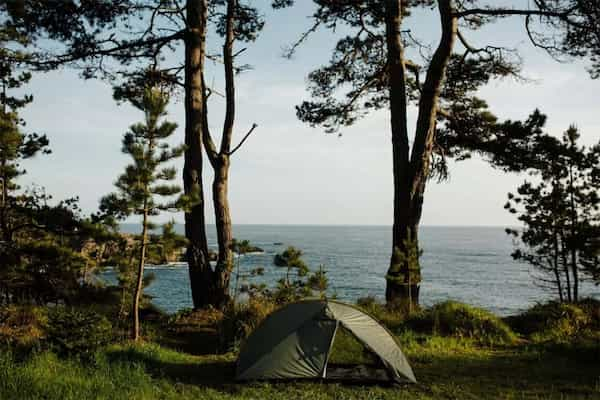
(135, 334)
(410, 174)
(400, 146)
(6, 236)
(573, 245)
(575, 275)
(224, 228)
(564, 253)
(555, 256)
(200, 272)
(220, 161)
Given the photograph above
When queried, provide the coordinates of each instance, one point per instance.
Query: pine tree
(146, 179)
(290, 289)
(560, 212)
(90, 35)
(165, 246)
(378, 63)
(15, 145)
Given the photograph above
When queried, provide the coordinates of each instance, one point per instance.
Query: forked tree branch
(254, 126)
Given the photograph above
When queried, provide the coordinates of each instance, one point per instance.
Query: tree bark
(575, 275)
(400, 145)
(573, 246)
(220, 161)
(200, 271)
(224, 228)
(7, 237)
(135, 334)
(6, 234)
(555, 257)
(564, 252)
(410, 175)
(221, 166)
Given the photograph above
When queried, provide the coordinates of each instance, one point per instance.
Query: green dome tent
(295, 342)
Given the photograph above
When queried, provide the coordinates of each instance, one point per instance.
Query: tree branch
(229, 79)
(428, 104)
(254, 126)
(291, 50)
(416, 70)
(209, 144)
(112, 51)
(500, 12)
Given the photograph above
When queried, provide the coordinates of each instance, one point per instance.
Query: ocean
(467, 264)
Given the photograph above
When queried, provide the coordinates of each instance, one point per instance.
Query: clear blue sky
(287, 172)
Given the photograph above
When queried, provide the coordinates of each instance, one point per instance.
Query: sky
(288, 172)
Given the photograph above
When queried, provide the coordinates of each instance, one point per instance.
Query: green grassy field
(447, 368)
(551, 351)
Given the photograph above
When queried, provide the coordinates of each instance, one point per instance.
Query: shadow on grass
(198, 342)
(209, 372)
(505, 373)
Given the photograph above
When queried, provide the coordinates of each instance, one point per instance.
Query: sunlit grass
(445, 367)
(467, 362)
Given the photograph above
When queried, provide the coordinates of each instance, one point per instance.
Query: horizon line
(344, 225)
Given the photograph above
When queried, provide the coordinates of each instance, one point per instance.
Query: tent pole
(324, 372)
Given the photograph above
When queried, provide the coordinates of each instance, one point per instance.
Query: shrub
(592, 308)
(558, 322)
(22, 327)
(240, 320)
(393, 318)
(299, 282)
(451, 318)
(189, 318)
(78, 332)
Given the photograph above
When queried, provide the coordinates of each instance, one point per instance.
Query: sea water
(468, 264)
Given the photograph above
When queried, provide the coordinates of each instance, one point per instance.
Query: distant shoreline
(347, 225)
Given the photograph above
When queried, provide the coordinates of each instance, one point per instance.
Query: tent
(295, 342)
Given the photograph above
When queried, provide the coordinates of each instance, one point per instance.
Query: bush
(189, 320)
(78, 332)
(22, 328)
(451, 318)
(559, 322)
(240, 320)
(592, 308)
(392, 318)
(187, 316)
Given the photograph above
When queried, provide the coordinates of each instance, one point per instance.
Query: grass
(447, 368)
(451, 318)
(443, 344)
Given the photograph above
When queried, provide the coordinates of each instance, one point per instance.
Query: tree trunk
(201, 274)
(573, 246)
(555, 262)
(224, 229)
(564, 251)
(400, 147)
(6, 236)
(410, 175)
(135, 334)
(220, 161)
(4, 225)
(575, 275)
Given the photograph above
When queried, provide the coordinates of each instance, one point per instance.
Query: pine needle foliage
(560, 211)
(145, 187)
